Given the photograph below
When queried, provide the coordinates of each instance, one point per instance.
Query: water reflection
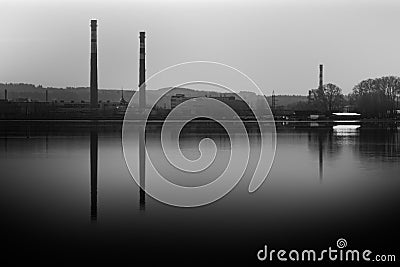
(51, 181)
(346, 130)
(93, 171)
(369, 141)
(321, 156)
(382, 145)
(5, 136)
(363, 144)
(320, 143)
(142, 169)
(94, 167)
(328, 140)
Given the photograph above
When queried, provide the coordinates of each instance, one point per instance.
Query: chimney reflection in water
(93, 172)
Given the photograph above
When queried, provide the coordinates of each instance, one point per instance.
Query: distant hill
(38, 93)
(77, 94)
(285, 100)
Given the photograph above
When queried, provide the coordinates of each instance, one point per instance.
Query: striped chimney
(142, 71)
(93, 65)
(321, 81)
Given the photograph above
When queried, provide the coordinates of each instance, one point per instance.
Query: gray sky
(279, 44)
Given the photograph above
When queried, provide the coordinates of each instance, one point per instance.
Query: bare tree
(333, 97)
(328, 98)
(377, 97)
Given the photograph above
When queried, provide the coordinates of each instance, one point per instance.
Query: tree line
(375, 98)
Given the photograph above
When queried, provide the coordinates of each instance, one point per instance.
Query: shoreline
(207, 121)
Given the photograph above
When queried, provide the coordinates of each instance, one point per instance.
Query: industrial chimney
(5, 95)
(142, 106)
(321, 81)
(93, 65)
(142, 71)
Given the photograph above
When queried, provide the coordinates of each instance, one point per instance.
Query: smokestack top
(321, 75)
(142, 71)
(93, 65)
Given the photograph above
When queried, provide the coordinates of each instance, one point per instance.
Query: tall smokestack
(5, 95)
(321, 81)
(142, 71)
(93, 65)
(142, 106)
(47, 96)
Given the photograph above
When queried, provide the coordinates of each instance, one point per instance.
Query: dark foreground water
(327, 182)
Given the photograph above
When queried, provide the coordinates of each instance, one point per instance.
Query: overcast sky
(279, 44)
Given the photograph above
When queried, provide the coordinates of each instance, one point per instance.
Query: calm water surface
(326, 182)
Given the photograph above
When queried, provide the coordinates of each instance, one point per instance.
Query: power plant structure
(273, 101)
(93, 65)
(142, 106)
(105, 105)
(142, 71)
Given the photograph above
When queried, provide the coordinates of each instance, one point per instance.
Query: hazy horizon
(279, 44)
